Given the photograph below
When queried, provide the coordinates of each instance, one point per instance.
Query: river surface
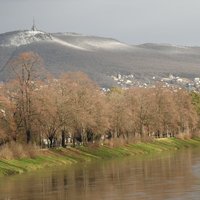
(171, 176)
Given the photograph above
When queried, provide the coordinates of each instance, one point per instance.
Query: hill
(101, 58)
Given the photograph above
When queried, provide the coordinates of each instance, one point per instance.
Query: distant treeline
(37, 108)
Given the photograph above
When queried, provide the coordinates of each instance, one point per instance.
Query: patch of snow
(107, 44)
(31, 32)
(69, 34)
(68, 44)
(176, 46)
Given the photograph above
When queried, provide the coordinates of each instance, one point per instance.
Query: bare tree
(188, 117)
(25, 70)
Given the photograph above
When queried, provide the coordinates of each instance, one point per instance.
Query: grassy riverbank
(70, 156)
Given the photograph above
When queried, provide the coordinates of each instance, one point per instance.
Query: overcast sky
(131, 21)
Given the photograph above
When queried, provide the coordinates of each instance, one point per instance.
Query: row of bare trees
(71, 108)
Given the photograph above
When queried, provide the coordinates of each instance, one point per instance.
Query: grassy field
(69, 156)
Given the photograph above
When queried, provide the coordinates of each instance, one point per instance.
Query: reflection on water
(171, 176)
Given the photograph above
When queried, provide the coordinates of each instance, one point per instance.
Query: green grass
(69, 156)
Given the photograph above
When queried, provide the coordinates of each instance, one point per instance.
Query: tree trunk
(141, 130)
(28, 136)
(51, 142)
(73, 141)
(83, 137)
(63, 138)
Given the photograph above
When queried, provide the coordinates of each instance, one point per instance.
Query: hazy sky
(131, 21)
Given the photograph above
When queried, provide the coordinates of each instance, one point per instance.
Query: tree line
(38, 108)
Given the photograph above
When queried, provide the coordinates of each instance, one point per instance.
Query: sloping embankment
(70, 156)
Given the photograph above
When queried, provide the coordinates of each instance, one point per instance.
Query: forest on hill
(36, 108)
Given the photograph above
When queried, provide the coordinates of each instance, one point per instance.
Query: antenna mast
(34, 27)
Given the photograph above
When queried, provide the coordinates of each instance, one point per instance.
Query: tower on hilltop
(34, 27)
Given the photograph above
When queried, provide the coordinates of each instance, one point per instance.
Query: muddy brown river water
(172, 176)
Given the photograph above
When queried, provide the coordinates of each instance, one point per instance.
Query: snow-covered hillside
(101, 58)
(70, 40)
(93, 42)
(19, 38)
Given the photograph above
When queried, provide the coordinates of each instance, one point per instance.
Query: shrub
(184, 136)
(6, 152)
(16, 151)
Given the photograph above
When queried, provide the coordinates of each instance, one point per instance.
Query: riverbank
(69, 156)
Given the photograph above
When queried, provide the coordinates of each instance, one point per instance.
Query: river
(173, 176)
